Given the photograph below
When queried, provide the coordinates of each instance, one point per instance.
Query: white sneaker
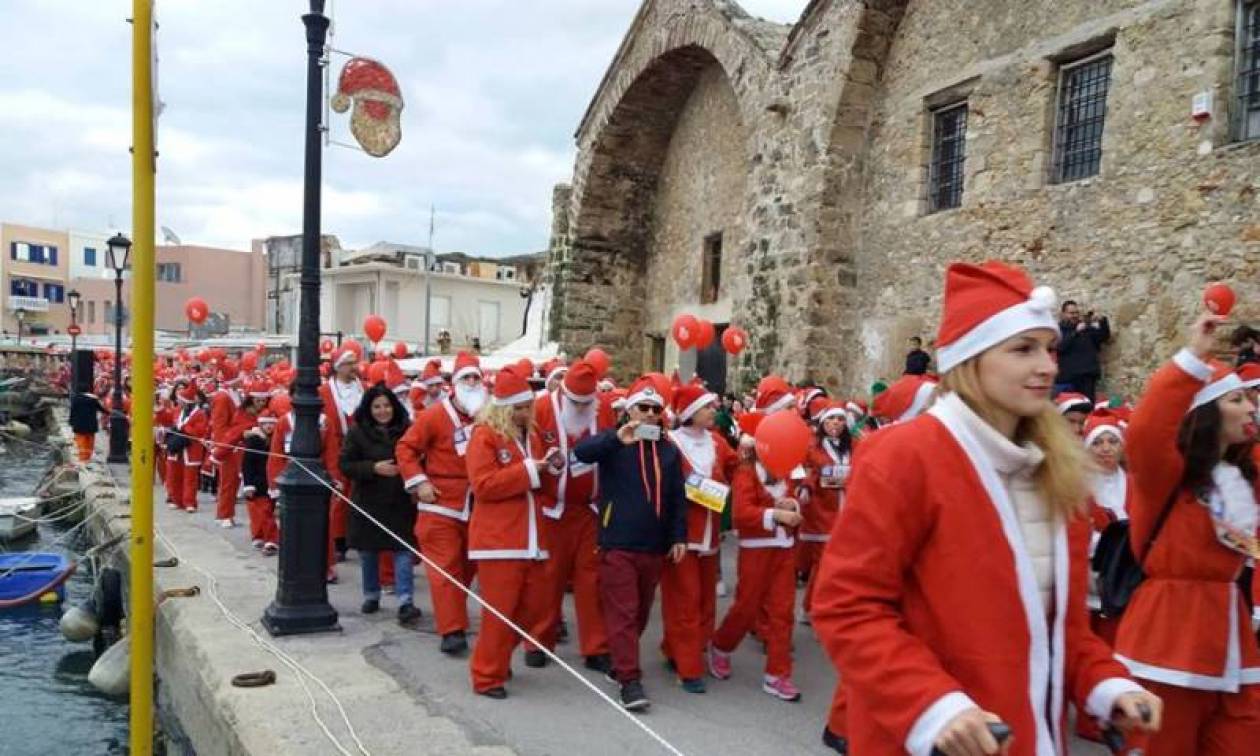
(257, 543)
(227, 523)
(172, 505)
(721, 589)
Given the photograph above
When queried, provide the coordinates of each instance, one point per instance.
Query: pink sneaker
(719, 664)
(781, 688)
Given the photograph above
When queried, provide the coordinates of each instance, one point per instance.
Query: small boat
(18, 517)
(31, 576)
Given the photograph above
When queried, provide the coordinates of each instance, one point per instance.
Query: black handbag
(1119, 569)
(176, 443)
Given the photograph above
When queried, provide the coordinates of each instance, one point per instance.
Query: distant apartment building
(35, 269)
(87, 255)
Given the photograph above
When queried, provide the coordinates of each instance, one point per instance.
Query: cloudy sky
(493, 89)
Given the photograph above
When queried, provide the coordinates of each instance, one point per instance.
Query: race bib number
(833, 476)
(707, 492)
(461, 441)
(578, 469)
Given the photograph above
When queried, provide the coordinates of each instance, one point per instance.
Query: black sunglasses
(648, 409)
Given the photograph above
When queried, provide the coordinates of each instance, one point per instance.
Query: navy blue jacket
(628, 517)
(84, 409)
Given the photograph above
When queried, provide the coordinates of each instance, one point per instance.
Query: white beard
(470, 398)
(576, 416)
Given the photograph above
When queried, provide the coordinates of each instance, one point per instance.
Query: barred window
(1081, 115)
(949, 156)
(1247, 87)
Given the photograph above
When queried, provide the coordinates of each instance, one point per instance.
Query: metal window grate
(1082, 113)
(1248, 63)
(949, 156)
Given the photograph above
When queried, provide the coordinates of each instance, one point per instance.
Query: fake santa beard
(375, 126)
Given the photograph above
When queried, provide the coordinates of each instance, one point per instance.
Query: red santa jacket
(1101, 516)
(824, 502)
(339, 420)
(703, 524)
(507, 522)
(1186, 624)
(281, 441)
(568, 492)
(753, 498)
(430, 451)
(224, 406)
(929, 604)
(193, 421)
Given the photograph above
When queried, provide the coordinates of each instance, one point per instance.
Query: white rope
(56, 541)
(66, 514)
(669, 747)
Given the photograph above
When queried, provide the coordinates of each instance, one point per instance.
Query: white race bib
(706, 492)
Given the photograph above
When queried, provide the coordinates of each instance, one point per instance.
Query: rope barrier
(660, 740)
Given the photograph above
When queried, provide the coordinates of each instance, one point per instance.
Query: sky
(493, 92)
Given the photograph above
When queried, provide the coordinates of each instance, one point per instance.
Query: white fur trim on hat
(782, 403)
(346, 354)
(832, 411)
(1216, 390)
(436, 380)
(579, 398)
(514, 399)
(1114, 430)
(691, 409)
(470, 369)
(1035, 312)
(647, 395)
(1067, 404)
(558, 371)
(922, 398)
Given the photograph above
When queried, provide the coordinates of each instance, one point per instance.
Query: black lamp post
(21, 318)
(301, 602)
(72, 299)
(117, 249)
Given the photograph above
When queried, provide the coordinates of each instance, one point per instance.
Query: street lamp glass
(72, 299)
(116, 251)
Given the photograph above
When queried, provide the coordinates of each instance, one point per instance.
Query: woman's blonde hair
(1063, 478)
(498, 418)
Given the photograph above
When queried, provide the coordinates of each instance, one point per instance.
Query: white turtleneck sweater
(1015, 466)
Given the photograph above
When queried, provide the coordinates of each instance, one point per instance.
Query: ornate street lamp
(72, 299)
(21, 318)
(301, 601)
(117, 249)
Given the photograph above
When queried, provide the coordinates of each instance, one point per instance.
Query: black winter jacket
(254, 464)
(628, 518)
(1078, 350)
(383, 498)
(84, 413)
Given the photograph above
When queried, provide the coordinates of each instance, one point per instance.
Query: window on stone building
(711, 269)
(1247, 61)
(1080, 117)
(949, 157)
(655, 353)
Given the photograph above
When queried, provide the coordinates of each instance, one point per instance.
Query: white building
(87, 255)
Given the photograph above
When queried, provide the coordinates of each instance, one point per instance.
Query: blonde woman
(956, 598)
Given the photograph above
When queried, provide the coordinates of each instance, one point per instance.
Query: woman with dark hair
(367, 459)
(1187, 631)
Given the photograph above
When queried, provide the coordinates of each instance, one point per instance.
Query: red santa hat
(343, 355)
(618, 399)
(394, 379)
(690, 399)
(229, 372)
(366, 79)
(581, 382)
(806, 396)
(829, 410)
(260, 388)
(816, 406)
(1102, 421)
(267, 417)
(1249, 374)
(1070, 401)
(187, 393)
(554, 369)
(466, 363)
(511, 388)
(856, 407)
(905, 399)
(1220, 379)
(773, 394)
(645, 391)
(985, 305)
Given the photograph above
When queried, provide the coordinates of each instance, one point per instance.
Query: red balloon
(704, 334)
(400, 349)
(685, 330)
(374, 328)
(598, 359)
(1219, 299)
(204, 356)
(782, 442)
(326, 346)
(249, 362)
(734, 339)
(196, 310)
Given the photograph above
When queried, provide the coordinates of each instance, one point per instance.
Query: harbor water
(46, 703)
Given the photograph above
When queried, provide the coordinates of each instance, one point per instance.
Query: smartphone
(648, 432)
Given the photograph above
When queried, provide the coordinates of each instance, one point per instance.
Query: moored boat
(18, 517)
(27, 577)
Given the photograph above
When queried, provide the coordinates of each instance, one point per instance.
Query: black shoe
(454, 643)
(562, 632)
(535, 659)
(837, 743)
(408, 614)
(497, 694)
(632, 696)
(599, 663)
(370, 606)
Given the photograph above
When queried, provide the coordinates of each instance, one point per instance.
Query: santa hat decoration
(773, 394)
(432, 373)
(1249, 374)
(370, 85)
(466, 363)
(645, 391)
(1220, 379)
(907, 398)
(580, 382)
(511, 388)
(187, 393)
(1100, 422)
(260, 389)
(690, 399)
(985, 305)
(1070, 401)
(816, 406)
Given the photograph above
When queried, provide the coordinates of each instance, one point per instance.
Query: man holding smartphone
(642, 518)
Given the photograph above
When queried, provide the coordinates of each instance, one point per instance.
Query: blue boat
(31, 576)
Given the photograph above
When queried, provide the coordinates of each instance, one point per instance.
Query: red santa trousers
(627, 588)
(689, 611)
(445, 541)
(810, 552)
(190, 478)
(1105, 628)
(229, 484)
(767, 579)
(262, 519)
(174, 480)
(1203, 722)
(573, 557)
(518, 588)
(85, 443)
(837, 716)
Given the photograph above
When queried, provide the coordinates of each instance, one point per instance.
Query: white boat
(18, 516)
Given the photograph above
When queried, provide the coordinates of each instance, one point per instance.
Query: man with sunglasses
(642, 518)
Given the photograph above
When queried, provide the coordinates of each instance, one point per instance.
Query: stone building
(810, 182)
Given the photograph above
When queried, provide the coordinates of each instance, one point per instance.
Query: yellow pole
(143, 169)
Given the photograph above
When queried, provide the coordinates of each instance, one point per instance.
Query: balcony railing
(30, 304)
